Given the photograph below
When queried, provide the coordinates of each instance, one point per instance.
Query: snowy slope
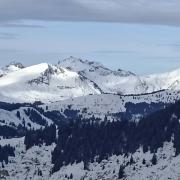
(166, 168)
(99, 106)
(75, 77)
(108, 104)
(9, 118)
(77, 85)
(122, 82)
(44, 82)
(26, 163)
(11, 67)
(169, 80)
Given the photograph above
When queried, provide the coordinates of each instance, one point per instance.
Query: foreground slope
(25, 165)
(36, 162)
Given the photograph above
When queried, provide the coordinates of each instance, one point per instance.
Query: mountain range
(73, 77)
(78, 119)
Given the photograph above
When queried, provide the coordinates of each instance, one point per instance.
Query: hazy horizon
(140, 36)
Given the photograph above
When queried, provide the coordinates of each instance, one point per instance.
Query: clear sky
(143, 46)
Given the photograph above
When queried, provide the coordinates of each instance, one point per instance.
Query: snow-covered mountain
(73, 77)
(11, 67)
(121, 82)
(45, 82)
(169, 80)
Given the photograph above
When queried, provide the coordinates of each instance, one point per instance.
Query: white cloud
(162, 12)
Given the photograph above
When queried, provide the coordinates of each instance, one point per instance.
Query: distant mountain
(122, 82)
(73, 77)
(11, 67)
(45, 82)
(169, 80)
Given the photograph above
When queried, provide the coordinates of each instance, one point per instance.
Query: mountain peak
(11, 67)
(108, 80)
(78, 64)
(82, 66)
(15, 65)
(45, 82)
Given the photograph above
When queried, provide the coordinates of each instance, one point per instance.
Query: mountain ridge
(79, 78)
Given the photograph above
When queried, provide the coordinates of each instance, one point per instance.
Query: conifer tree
(121, 172)
(154, 159)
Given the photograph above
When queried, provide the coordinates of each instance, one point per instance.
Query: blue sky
(139, 43)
